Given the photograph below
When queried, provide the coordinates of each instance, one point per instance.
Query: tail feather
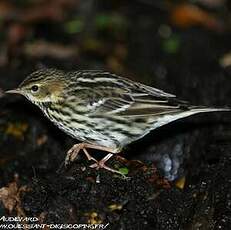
(200, 109)
(155, 122)
(168, 118)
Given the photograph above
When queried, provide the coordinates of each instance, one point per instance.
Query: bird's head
(42, 86)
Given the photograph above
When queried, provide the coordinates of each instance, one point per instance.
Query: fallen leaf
(16, 129)
(42, 140)
(10, 197)
(180, 183)
(114, 207)
(187, 15)
(124, 170)
(93, 218)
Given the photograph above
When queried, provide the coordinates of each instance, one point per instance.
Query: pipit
(104, 111)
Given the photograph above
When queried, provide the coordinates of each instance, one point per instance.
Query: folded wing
(114, 95)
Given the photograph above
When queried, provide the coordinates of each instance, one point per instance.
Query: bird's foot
(72, 154)
(101, 165)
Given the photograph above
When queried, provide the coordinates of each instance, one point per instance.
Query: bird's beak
(18, 91)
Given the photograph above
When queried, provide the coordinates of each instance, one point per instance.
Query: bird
(102, 110)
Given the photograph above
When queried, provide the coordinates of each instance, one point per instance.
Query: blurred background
(182, 47)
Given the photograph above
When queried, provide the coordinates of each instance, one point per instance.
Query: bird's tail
(200, 109)
(154, 122)
(168, 118)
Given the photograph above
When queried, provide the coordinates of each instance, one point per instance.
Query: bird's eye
(34, 89)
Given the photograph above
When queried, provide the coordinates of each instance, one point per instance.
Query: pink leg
(74, 151)
(101, 164)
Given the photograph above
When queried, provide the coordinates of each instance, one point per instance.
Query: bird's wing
(110, 94)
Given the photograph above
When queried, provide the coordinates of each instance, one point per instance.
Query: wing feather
(111, 94)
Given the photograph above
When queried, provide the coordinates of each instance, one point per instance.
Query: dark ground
(184, 181)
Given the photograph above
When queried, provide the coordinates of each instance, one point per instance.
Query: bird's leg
(101, 164)
(74, 151)
(98, 147)
(89, 157)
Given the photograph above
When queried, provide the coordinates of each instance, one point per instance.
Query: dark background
(182, 47)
